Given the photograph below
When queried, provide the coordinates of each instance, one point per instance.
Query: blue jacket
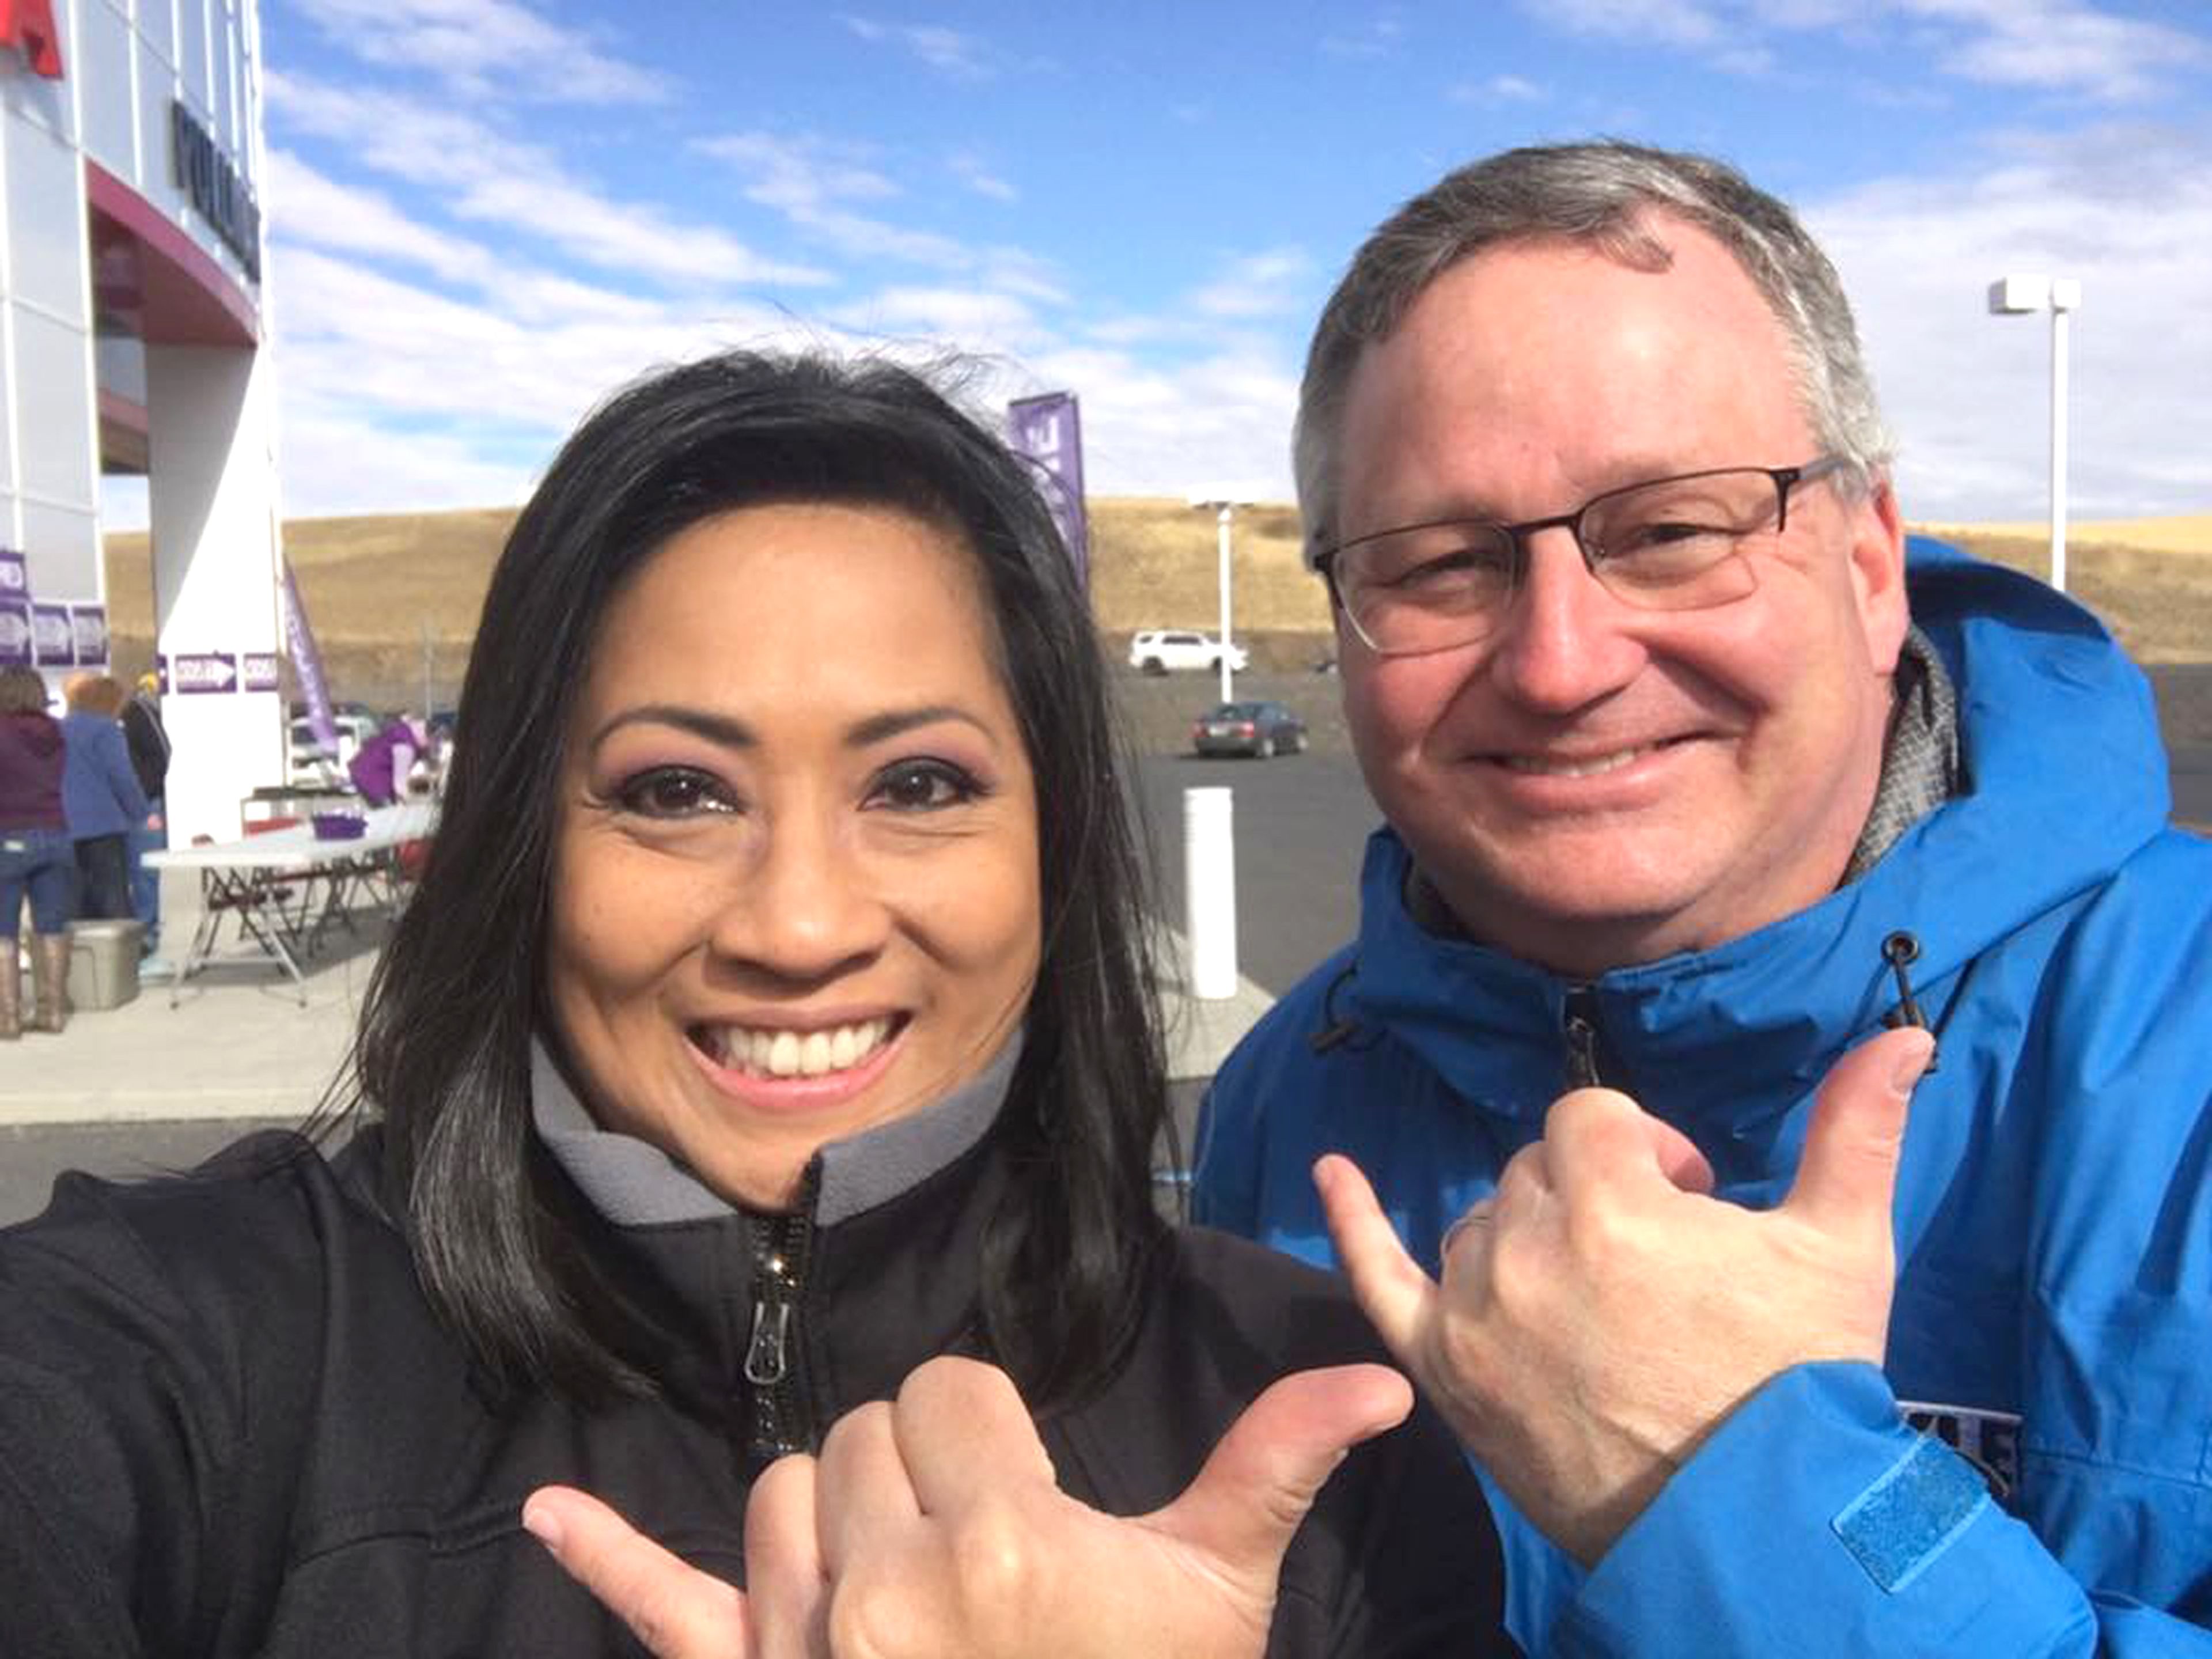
(101, 795)
(2054, 1207)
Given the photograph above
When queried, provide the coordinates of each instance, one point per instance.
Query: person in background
(101, 795)
(757, 1103)
(1696, 780)
(380, 766)
(36, 859)
(148, 738)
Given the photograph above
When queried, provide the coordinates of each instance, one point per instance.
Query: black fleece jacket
(230, 1424)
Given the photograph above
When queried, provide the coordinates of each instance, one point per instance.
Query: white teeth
(787, 1053)
(1544, 766)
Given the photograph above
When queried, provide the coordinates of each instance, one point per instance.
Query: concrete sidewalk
(240, 1045)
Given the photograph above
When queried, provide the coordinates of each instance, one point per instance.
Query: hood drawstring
(1900, 950)
(1332, 1029)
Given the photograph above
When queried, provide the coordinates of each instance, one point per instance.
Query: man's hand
(933, 1525)
(1600, 1314)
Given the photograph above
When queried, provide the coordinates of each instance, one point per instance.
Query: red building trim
(183, 297)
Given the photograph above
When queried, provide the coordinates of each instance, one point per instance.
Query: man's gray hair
(1606, 195)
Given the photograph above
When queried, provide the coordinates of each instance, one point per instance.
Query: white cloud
(2059, 45)
(483, 176)
(1668, 22)
(1379, 37)
(948, 52)
(1969, 393)
(1501, 89)
(486, 49)
(979, 176)
(311, 208)
(1265, 284)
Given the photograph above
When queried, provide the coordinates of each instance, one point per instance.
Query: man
(147, 739)
(1693, 783)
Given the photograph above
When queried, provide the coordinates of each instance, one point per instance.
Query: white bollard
(1209, 888)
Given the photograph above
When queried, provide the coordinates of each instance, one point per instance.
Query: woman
(770, 1019)
(101, 796)
(35, 859)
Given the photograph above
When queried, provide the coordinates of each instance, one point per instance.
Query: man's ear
(1877, 558)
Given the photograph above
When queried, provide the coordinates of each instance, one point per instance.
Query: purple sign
(203, 670)
(14, 632)
(1048, 430)
(15, 576)
(307, 663)
(53, 642)
(160, 675)
(88, 624)
(259, 668)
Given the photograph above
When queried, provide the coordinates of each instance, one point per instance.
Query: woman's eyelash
(672, 791)
(924, 785)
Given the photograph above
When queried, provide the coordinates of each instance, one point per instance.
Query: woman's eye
(923, 786)
(673, 791)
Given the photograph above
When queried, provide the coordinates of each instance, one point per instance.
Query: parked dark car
(1262, 729)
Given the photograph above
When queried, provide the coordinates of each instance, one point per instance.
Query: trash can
(103, 971)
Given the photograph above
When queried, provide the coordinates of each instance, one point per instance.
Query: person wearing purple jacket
(101, 796)
(34, 854)
(379, 768)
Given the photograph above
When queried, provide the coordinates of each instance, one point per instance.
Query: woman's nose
(801, 907)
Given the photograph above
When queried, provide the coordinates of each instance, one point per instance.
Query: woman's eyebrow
(715, 728)
(892, 722)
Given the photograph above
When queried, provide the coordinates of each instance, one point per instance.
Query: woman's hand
(933, 1526)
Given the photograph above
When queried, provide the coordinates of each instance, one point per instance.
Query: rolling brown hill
(386, 593)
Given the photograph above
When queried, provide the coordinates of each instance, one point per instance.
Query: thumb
(1398, 1298)
(675, 1610)
(1264, 1475)
(1849, 1170)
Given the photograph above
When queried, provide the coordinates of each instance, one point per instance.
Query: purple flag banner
(160, 675)
(14, 632)
(307, 663)
(1048, 430)
(88, 624)
(53, 642)
(203, 670)
(15, 575)
(259, 669)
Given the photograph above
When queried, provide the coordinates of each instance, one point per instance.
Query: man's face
(1593, 785)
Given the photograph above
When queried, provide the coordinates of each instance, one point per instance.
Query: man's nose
(801, 907)
(1560, 644)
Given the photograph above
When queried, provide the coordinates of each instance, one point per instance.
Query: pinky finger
(1397, 1296)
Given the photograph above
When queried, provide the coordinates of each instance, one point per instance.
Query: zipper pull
(768, 1355)
(1581, 1030)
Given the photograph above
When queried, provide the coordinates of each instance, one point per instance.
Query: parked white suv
(1158, 650)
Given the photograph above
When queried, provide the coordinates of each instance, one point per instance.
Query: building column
(212, 512)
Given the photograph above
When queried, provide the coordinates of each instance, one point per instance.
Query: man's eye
(673, 791)
(923, 786)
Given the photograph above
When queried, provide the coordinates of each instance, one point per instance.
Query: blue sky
(485, 214)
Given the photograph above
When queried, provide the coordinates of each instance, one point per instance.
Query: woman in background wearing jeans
(35, 855)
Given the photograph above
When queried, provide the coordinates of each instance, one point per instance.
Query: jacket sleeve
(1813, 1522)
(114, 758)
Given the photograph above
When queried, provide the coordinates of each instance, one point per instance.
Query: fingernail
(1911, 1062)
(544, 1525)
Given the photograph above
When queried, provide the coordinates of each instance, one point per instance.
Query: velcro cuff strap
(1904, 1521)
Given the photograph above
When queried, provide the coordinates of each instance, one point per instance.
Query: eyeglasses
(1678, 543)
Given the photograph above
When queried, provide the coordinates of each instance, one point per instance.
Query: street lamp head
(2013, 297)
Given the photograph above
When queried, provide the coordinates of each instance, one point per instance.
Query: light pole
(1225, 516)
(2013, 297)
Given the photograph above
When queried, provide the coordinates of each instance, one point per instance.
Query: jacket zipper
(1580, 1026)
(781, 1420)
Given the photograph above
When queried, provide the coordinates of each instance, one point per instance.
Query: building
(133, 320)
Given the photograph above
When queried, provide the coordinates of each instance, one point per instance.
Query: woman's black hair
(443, 1053)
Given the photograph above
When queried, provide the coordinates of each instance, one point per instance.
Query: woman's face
(795, 878)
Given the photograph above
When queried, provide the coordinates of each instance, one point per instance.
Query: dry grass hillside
(374, 587)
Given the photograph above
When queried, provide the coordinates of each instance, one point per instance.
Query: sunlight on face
(795, 885)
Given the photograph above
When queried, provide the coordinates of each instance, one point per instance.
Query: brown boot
(11, 992)
(50, 961)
